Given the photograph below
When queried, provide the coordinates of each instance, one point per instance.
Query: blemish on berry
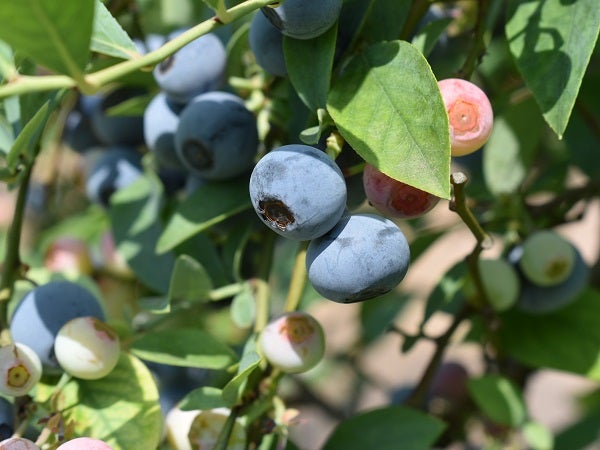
(276, 212)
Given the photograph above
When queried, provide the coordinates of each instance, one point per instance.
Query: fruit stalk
(298, 281)
(11, 267)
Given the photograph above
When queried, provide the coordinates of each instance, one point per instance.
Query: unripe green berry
(500, 282)
(293, 343)
(87, 348)
(547, 259)
(20, 369)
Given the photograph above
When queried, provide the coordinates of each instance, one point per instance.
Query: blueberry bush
(187, 183)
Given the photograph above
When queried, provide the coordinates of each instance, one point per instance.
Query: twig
(298, 281)
(479, 47)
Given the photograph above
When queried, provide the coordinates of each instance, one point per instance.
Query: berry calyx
(20, 369)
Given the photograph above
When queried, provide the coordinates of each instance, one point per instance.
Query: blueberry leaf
(45, 32)
(189, 280)
(552, 42)
(121, 408)
(499, 399)
(386, 429)
(377, 104)
(209, 205)
(186, 347)
(550, 342)
(108, 36)
(311, 76)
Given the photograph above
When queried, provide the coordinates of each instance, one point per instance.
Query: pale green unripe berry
(500, 282)
(293, 343)
(17, 443)
(20, 369)
(87, 348)
(85, 443)
(548, 258)
(188, 430)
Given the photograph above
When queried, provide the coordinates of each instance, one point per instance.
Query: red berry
(393, 198)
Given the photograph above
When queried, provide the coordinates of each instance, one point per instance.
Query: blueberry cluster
(299, 192)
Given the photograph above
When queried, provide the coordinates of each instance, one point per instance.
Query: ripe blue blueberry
(539, 299)
(298, 191)
(7, 419)
(115, 168)
(161, 118)
(304, 19)
(117, 129)
(44, 310)
(362, 257)
(194, 69)
(217, 136)
(266, 42)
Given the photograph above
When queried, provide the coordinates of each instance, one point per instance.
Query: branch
(479, 47)
(92, 82)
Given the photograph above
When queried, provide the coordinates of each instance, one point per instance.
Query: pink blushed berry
(85, 443)
(18, 443)
(470, 115)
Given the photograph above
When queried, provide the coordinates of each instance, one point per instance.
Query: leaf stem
(227, 429)
(298, 281)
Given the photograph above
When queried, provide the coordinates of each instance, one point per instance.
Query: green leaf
(233, 389)
(26, 145)
(378, 104)
(376, 316)
(108, 37)
(538, 436)
(499, 398)
(311, 76)
(243, 308)
(388, 428)
(549, 340)
(8, 70)
(448, 295)
(385, 20)
(581, 434)
(209, 205)
(189, 280)
(121, 408)
(135, 215)
(203, 398)
(511, 148)
(552, 42)
(185, 347)
(55, 34)
(428, 36)
(7, 138)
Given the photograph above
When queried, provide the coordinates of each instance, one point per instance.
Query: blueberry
(115, 168)
(298, 191)
(7, 419)
(217, 137)
(539, 299)
(20, 369)
(161, 118)
(117, 129)
(304, 19)
(78, 132)
(44, 310)
(194, 69)
(362, 257)
(266, 42)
